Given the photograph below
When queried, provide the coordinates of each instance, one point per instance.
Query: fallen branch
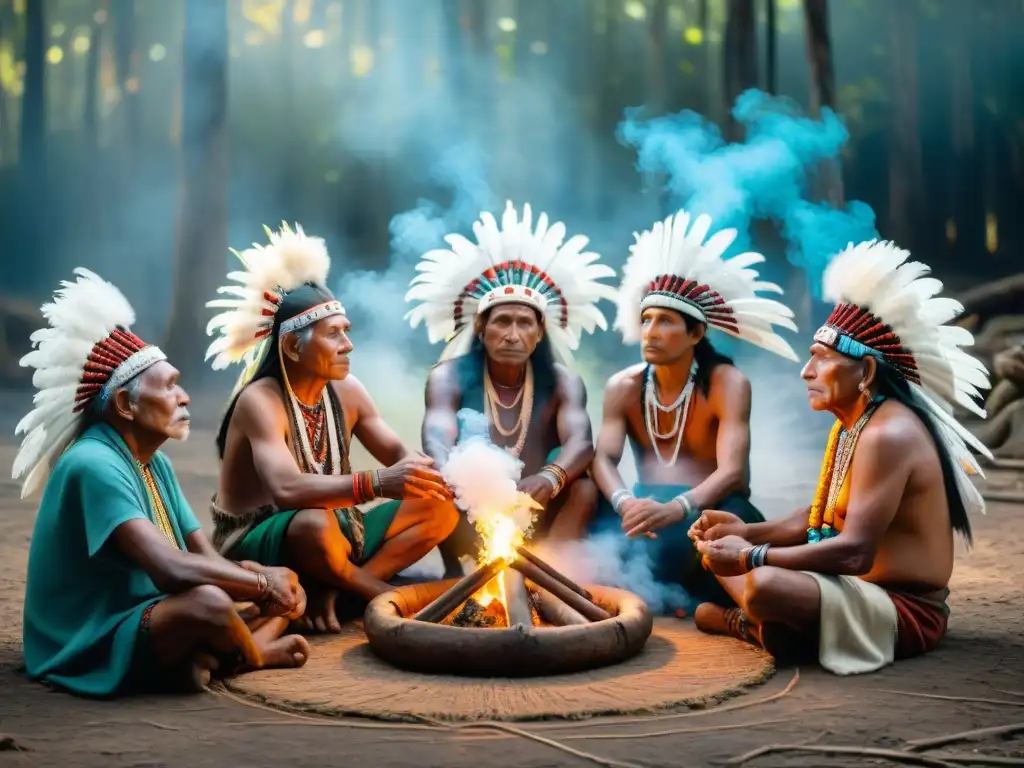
(885, 754)
(943, 697)
(977, 734)
(549, 742)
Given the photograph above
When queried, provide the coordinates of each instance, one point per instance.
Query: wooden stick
(556, 612)
(577, 602)
(885, 754)
(464, 589)
(974, 735)
(1009, 497)
(526, 554)
(517, 600)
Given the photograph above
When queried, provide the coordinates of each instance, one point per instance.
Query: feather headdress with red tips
(291, 259)
(675, 265)
(85, 353)
(515, 263)
(887, 307)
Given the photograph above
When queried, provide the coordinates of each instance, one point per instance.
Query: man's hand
(643, 516)
(716, 524)
(538, 487)
(285, 596)
(725, 556)
(414, 477)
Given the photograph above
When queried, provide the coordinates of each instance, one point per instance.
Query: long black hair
(470, 366)
(891, 384)
(708, 358)
(292, 303)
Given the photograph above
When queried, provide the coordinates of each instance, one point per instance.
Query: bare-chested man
(287, 494)
(686, 409)
(506, 320)
(860, 578)
(124, 592)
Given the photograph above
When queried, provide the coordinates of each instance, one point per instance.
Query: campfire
(514, 589)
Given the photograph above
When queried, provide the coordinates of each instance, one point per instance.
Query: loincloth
(230, 528)
(864, 626)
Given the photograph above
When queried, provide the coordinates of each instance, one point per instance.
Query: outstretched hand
(414, 477)
(725, 556)
(538, 488)
(716, 524)
(645, 516)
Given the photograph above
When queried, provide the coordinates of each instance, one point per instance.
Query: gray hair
(133, 387)
(303, 336)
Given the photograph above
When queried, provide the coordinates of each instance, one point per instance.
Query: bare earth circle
(679, 665)
(422, 646)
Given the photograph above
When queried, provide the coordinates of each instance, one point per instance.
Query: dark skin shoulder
(440, 424)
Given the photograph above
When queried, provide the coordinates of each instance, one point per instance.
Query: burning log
(555, 612)
(550, 584)
(517, 600)
(526, 554)
(439, 609)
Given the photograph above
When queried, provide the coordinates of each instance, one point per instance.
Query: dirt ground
(974, 680)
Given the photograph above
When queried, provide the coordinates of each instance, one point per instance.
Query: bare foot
(710, 618)
(321, 614)
(201, 669)
(290, 651)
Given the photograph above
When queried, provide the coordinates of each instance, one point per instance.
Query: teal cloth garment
(83, 599)
(674, 558)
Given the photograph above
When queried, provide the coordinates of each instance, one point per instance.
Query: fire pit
(512, 617)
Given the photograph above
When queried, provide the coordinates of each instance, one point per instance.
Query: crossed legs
(197, 629)
(777, 608)
(317, 549)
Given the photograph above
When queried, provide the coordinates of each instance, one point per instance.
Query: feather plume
(538, 266)
(875, 283)
(82, 314)
(676, 258)
(289, 260)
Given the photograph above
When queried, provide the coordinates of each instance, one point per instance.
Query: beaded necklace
(162, 519)
(493, 408)
(680, 409)
(821, 522)
(320, 446)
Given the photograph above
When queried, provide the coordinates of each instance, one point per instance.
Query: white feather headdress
(888, 308)
(673, 267)
(291, 259)
(511, 264)
(86, 351)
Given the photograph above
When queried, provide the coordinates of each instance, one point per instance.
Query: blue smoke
(765, 177)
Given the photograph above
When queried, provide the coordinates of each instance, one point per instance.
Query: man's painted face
(161, 407)
(510, 333)
(833, 379)
(665, 337)
(324, 348)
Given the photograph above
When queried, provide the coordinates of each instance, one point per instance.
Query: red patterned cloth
(921, 621)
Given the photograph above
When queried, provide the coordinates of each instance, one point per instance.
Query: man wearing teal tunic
(510, 326)
(124, 592)
(287, 493)
(686, 409)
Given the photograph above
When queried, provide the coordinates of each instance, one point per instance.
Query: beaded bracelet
(754, 557)
(620, 496)
(557, 476)
(685, 503)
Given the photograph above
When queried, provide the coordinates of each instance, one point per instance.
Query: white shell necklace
(680, 408)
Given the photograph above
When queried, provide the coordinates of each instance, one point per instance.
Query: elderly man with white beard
(124, 592)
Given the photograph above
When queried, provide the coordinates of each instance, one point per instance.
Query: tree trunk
(961, 103)
(906, 177)
(124, 50)
(823, 91)
(202, 226)
(771, 43)
(657, 90)
(33, 102)
(740, 57)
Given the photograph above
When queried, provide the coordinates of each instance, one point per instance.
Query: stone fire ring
(678, 666)
(421, 646)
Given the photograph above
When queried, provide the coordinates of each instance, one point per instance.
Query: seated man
(861, 576)
(124, 592)
(505, 322)
(287, 494)
(686, 409)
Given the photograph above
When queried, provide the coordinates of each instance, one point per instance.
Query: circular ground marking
(678, 666)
